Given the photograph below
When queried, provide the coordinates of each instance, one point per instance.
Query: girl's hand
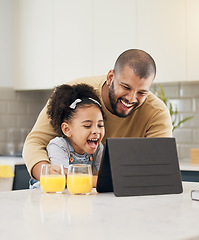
(95, 180)
(54, 169)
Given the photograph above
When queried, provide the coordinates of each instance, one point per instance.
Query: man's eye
(142, 93)
(125, 87)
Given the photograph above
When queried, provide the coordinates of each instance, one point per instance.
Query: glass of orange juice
(79, 179)
(52, 178)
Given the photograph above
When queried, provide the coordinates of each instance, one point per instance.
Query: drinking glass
(79, 179)
(52, 178)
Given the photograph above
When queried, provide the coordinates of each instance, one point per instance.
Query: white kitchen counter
(9, 160)
(31, 214)
(189, 167)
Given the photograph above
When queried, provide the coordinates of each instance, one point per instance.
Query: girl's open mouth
(93, 143)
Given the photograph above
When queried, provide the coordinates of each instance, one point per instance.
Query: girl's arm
(95, 177)
(58, 154)
(97, 161)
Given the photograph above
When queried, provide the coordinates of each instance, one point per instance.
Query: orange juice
(79, 183)
(52, 183)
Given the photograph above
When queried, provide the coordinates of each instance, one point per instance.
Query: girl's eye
(87, 126)
(100, 125)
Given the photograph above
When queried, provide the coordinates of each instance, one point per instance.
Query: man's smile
(128, 105)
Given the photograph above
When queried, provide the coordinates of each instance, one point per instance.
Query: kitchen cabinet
(161, 31)
(169, 31)
(58, 41)
(72, 34)
(189, 172)
(53, 42)
(89, 36)
(190, 176)
(6, 44)
(192, 40)
(114, 31)
(33, 57)
(21, 178)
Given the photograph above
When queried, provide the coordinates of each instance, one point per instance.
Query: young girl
(76, 115)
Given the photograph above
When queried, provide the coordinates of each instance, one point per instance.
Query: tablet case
(139, 166)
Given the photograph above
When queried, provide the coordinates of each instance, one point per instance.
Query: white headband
(74, 104)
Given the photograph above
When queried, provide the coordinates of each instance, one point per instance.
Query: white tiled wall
(185, 96)
(19, 110)
(18, 113)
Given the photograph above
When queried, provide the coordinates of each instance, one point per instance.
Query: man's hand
(36, 170)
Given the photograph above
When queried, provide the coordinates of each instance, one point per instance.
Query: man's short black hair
(141, 62)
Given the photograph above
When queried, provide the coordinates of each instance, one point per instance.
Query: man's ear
(66, 129)
(110, 77)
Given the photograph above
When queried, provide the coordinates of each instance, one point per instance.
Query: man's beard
(113, 103)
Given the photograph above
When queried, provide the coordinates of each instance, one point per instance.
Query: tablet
(139, 166)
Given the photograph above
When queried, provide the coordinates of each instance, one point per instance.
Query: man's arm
(160, 125)
(34, 150)
(36, 170)
(158, 119)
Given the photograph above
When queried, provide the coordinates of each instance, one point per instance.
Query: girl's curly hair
(63, 96)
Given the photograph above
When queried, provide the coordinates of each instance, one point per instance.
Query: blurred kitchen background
(45, 43)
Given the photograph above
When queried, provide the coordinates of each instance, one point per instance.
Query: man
(131, 110)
